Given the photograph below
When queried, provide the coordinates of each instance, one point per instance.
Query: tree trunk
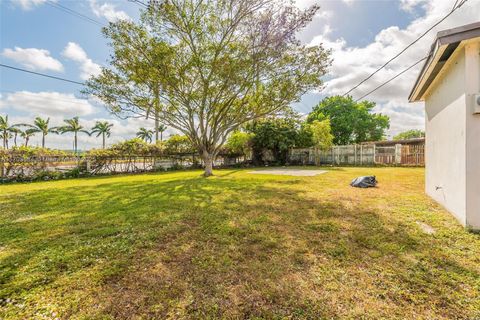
(75, 143)
(15, 139)
(103, 140)
(208, 161)
(157, 123)
(43, 141)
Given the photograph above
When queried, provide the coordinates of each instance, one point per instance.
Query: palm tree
(73, 125)
(5, 136)
(5, 130)
(41, 125)
(161, 129)
(15, 132)
(145, 134)
(104, 129)
(27, 134)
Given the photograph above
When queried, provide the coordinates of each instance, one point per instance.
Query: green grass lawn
(236, 246)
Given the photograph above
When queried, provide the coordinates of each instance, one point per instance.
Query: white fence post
(87, 160)
(398, 154)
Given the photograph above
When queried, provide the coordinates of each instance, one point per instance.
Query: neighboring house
(449, 83)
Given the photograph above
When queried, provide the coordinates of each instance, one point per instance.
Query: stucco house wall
(472, 87)
(445, 113)
(453, 136)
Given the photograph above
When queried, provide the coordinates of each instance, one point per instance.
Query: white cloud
(410, 5)
(47, 104)
(349, 2)
(33, 58)
(88, 68)
(28, 4)
(108, 11)
(352, 64)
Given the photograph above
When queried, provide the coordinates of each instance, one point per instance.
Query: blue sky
(37, 36)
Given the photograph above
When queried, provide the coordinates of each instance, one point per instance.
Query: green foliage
(29, 163)
(6, 131)
(351, 122)
(103, 128)
(321, 133)
(162, 128)
(410, 134)
(27, 134)
(219, 64)
(239, 143)
(145, 134)
(178, 144)
(40, 126)
(278, 135)
(73, 125)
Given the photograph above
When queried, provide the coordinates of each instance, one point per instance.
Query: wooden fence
(360, 155)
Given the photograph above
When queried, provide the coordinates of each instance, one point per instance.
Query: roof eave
(445, 44)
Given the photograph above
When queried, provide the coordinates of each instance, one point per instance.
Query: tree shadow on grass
(225, 248)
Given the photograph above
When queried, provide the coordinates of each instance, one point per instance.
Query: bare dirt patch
(290, 172)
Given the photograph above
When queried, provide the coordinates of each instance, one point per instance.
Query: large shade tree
(209, 67)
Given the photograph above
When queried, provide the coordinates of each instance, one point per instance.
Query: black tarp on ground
(364, 182)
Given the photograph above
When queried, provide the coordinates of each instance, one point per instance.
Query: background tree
(42, 126)
(351, 122)
(15, 132)
(410, 134)
(278, 135)
(103, 128)
(179, 144)
(161, 129)
(220, 64)
(27, 134)
(321, 134)
(239, 143)
(5, 136)
(145, 134)
(73, 125)
(5, 130)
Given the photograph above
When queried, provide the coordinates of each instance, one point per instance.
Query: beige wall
(453, 137)
(445, 139)
(472, 87)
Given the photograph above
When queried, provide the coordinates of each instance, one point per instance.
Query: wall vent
(476, 104)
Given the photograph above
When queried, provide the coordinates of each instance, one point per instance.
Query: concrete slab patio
(290, 172)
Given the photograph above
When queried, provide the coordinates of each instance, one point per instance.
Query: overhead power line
(41, 74)
(391, 79)
(74, 13)
(456, 7)
(140, 3)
